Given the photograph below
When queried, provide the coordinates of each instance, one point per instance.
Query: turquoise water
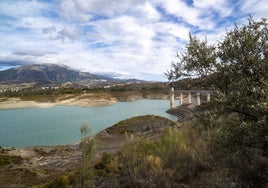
(61, 125)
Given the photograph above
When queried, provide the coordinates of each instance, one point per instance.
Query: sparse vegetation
(140, 124)
(84, 130)
(168, 162)
(7, 159)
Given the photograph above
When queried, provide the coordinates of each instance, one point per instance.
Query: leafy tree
(237, 68)
(243, 134)
(244, 60)
(199, 59)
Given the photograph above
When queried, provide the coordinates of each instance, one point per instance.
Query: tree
(199, 59)
(84, 130)
(237, 68)
(243, 56)
(88, 148)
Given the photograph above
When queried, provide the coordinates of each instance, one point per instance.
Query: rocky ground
(31, 166)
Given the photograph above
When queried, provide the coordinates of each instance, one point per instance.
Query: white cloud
(19, 9)
(69, 31)
(81, 10)
(107, 7)
(188, 14)
(149, 11)
(71, 11)
(36, 53)
(256, 8)
(134, 38)
(223, 7)
(175, 30)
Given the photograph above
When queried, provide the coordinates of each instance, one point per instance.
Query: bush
(59, 182)
(244, 143)
(107, 165)
(167, 162)
(5, 160)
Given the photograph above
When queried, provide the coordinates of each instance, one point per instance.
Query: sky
(121, 38)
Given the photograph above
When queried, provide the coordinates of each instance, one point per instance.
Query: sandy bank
(12, 103)
(84, 100)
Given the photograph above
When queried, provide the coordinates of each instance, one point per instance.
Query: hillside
(37, 165)
(43, 73)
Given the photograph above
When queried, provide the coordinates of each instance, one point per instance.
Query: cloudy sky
(124, 38)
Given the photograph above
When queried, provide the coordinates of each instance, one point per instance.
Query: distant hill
(45, 73)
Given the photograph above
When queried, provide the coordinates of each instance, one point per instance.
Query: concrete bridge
(189, 96)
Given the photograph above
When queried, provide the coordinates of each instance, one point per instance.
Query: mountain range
(42, 74)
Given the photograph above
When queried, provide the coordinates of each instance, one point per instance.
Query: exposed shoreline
(84, 100)
(15, 103)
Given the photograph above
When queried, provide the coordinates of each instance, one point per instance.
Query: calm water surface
(61, 124)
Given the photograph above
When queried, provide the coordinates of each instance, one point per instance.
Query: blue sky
(126, 38)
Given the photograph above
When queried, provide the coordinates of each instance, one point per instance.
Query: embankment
(82, 100)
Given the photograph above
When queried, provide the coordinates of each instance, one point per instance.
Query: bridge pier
(189, 97)
(208, 96)
(181, 98)
(198, 98)
(172, 98)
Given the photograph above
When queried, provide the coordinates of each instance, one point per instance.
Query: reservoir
(61, 124)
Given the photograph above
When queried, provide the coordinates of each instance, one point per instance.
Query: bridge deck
(193, 91)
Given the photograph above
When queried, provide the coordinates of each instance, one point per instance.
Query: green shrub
(107, 166)
(5, 160)
(59, 182)
(167, 162)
